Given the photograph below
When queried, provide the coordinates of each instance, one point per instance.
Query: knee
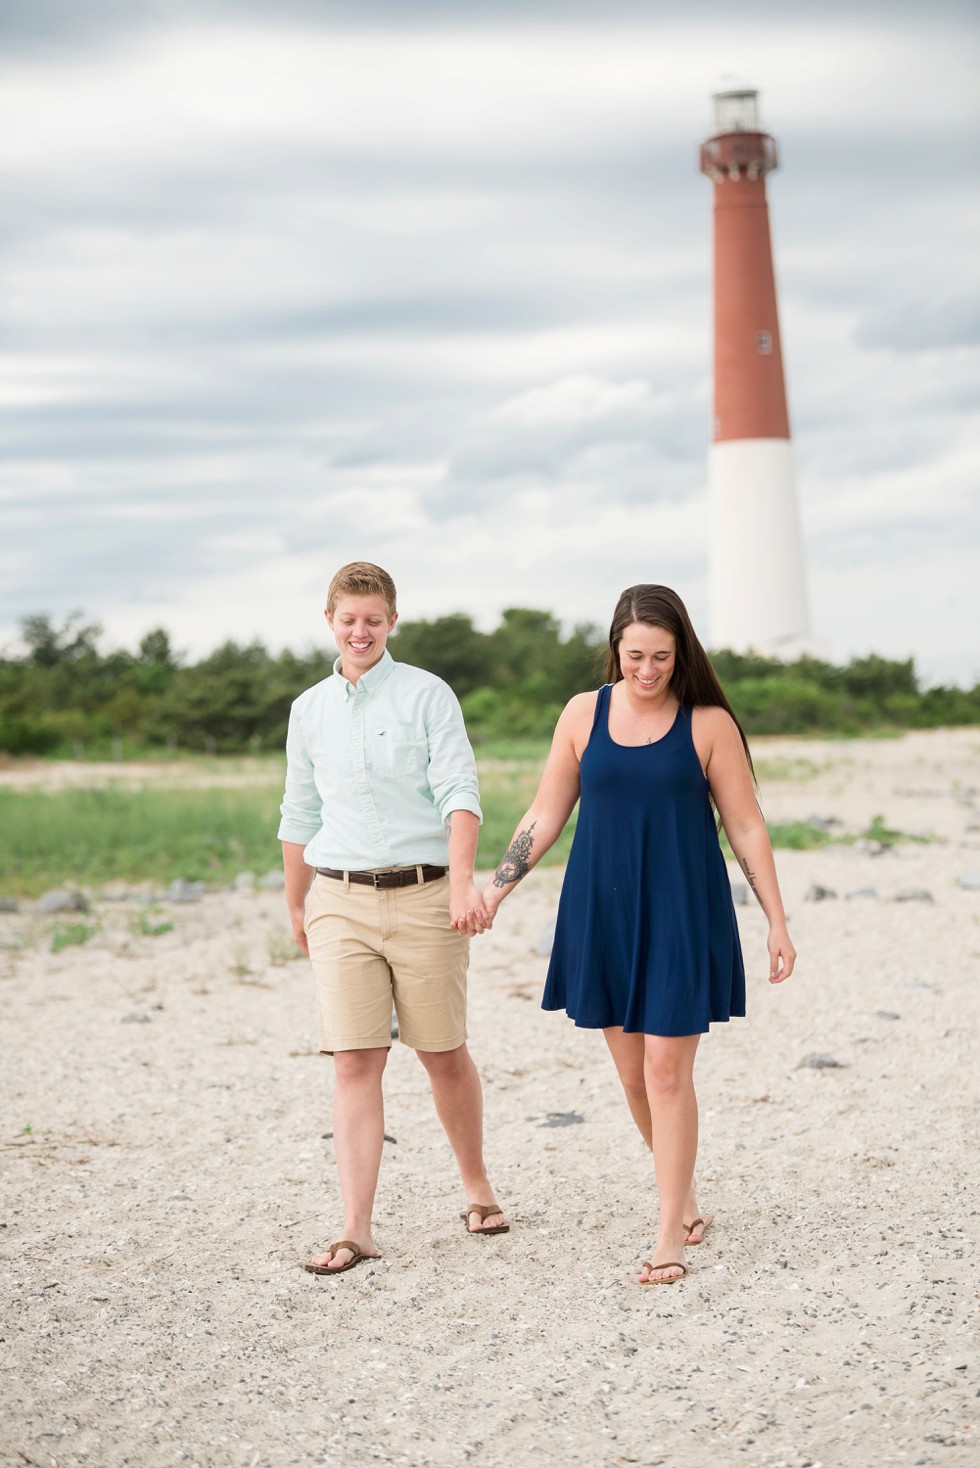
(634, 1084)
(446, 1065)
(359, 1067)
(663, 1078)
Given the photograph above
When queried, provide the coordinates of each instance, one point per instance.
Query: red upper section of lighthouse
(750, 394)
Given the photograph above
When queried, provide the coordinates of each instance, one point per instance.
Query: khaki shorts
(375, 949)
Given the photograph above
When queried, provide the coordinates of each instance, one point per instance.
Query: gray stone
(546, 940)
(816, 893)
(823, 823)
(863, 892)
(740, 894)
(272, 881)
(562, 1118)
(244, 882)
(136, 1019)
(870, 848)
(914, 894)
(8, 904)
(62, 902)
(887, 1014)
(821, 1062)
(969, 880)
(181, 890)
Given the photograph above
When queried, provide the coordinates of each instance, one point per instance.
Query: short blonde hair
(362, 578)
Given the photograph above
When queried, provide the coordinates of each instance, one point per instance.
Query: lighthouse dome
(736, 107)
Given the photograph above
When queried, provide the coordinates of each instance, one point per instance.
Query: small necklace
(637, 720)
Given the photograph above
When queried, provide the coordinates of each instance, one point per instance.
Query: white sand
(175, 1176)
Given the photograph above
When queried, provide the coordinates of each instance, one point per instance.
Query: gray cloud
(241, 353)
(42, 24)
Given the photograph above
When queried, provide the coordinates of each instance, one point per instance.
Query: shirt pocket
(397, 751)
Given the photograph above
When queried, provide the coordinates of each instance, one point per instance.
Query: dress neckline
(651, 743)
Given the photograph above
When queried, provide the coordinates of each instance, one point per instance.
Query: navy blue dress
(646, 935)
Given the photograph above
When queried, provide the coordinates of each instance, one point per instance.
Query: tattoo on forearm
(743, 862)
(516, 863)
(448, 826)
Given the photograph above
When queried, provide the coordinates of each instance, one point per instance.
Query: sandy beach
(166, 1172)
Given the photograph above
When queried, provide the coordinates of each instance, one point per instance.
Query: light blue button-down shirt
(374, 768)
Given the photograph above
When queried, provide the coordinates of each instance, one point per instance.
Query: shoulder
(716, 738)
(713, 721)
(583, 703)
(574, 727)
(312, 696)
(407, 675)
(422, 698)
(580, 709)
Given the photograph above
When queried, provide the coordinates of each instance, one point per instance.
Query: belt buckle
(376, 881)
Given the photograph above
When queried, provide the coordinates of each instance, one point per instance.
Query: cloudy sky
(288, 283)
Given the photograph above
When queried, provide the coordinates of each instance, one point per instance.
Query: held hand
(492, 898)
(782, 955)
(297, 921)
(467, 911)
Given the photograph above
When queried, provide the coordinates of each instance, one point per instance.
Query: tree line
(63, 694)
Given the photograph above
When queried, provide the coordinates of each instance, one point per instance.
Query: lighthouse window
(763, 342)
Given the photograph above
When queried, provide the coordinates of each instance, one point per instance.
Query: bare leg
(669, 1072)
(628, 1053)
(458, 1097)
(358, 1134)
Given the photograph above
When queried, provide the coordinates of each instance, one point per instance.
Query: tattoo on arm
(516, 863)
(448, 825)
(750, 875)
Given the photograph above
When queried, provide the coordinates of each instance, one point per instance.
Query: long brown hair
(694, 681)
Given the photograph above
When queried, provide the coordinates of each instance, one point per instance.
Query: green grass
(71, 935)
(507, 787)
(150, 834)
(158, 832)
(773, 768)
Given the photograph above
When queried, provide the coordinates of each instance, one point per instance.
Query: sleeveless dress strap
(604, 695)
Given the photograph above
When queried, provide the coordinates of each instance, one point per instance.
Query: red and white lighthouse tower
(758, 580)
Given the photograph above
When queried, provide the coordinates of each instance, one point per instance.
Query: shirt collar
(372, 680)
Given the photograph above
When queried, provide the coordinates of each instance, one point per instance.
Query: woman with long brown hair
(646, 943)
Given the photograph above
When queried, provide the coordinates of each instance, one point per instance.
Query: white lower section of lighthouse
(758, 581)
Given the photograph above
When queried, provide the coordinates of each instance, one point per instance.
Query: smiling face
(360, 625)
(646, 659)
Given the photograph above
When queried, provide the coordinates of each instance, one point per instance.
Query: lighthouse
(757, 574)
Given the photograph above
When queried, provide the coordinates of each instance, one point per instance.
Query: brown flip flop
(705, 1225)
(485, 1210)
(332, 1252)
(670, 1264)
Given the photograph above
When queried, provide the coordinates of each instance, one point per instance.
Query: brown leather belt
(407, 878)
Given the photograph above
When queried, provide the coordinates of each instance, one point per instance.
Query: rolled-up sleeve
(302, 808)
(452, 766)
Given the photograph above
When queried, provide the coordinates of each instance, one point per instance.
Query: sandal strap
(483, 1209)
(335, 1249)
